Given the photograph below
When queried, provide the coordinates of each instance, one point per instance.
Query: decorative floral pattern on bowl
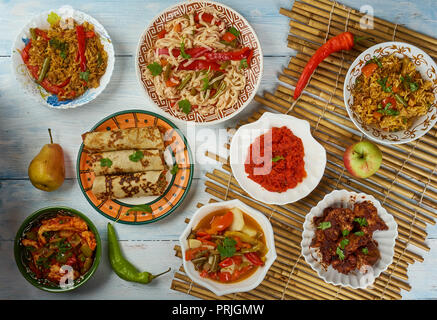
(427, 68)
(22, 75)
(386, 241)
(248, 37)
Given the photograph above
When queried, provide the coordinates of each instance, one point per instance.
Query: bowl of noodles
(200, 62)
(63, 58)
(390, 92)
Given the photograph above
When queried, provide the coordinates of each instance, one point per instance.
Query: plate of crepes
(135, 167)
(199, 61)
(349, 239)
(276, 160)
(63, 58)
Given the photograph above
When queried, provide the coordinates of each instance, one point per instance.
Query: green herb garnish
(183, 53)
(234, 31)
(359, 233)
(344, 243)
(105, 162)
(205, 83)
(361, 221)
(365, 250)
(386, 110)
(141, 208)
(136, 156)
(84, 75)
(324, 225)
(228, 249)
(340, 253)
(345, 232)
(383, 84)
(61, 46)
(185, 106)
(155, 68)
(277, 158)
(174, 169)
(243, 64)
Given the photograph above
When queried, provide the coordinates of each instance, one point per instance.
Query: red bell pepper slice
(25, 52)
(80, 34)
(64, 83)
(42, 33)
(231, 55)
(229, 37)
(254, 258)
(161, 34)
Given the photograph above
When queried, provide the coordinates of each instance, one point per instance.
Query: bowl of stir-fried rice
(390, 92)
(199, 61)
(63, 58)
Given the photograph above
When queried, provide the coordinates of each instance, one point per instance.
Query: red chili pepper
(204, 274)
(205, 17)
(200, 65)
(237, 260)
(52, 88)
(225, 276)
(42, 34)
(63, 84)
(244, 53)
(161, 34)
(208, 243)
(226, 263)
(80, 33)
(343, 41)
(254, 258)
(25, 52)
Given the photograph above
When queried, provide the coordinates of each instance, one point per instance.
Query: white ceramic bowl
(427, 68)
(19, 69)
(315, 157)
(386, 241)
(248, 38)
(242, 286)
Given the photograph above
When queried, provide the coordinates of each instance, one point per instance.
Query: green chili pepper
(122, 267)
(400, 99)
(184, 82)
(44, 69)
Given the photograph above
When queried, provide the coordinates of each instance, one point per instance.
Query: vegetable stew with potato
(227, 246)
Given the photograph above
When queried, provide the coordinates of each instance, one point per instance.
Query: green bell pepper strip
(122, 267)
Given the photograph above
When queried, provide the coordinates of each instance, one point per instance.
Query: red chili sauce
(279, 164)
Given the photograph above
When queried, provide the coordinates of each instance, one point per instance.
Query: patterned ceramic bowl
(385, 239)
(427, 68)
(19, 69)
(247, 37)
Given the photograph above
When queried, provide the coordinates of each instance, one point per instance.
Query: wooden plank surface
(24, 123)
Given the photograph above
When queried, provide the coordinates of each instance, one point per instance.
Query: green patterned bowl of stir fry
(57, 249)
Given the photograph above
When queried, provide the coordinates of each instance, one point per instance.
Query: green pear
(47, 169)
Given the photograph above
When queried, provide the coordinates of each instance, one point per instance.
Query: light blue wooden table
(24, 123)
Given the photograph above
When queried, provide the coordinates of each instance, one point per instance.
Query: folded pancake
(127, 161)
(123, 139)
(150, 183)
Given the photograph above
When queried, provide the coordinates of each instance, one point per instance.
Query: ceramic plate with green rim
(177, 154)
(23, 253)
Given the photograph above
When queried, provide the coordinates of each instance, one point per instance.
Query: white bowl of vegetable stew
(228, 247)
(390, 92)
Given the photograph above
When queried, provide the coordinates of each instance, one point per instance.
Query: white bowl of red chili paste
(276, 160)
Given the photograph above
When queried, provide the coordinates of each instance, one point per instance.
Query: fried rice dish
(66, 59)
(390, 93)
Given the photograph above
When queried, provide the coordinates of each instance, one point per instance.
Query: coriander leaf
(340, 253)
(155, 68)
(106, 162)
(174, 169)
(344, 243)
(365, 250)
(53, 18)
(243, 64)
(183, 53)
(205, 84)
(141, 208)
(227, 249)
(136, 156)
(345, 232)
(277, 158)
(84, 75)
(414, 86)
(324, 225)
(234, 31)
(361, 221)
(63, 54)
(359, 233)
(185, 106)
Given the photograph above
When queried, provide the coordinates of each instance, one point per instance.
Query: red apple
(362, 159)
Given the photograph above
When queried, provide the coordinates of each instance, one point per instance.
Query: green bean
(86, 250)
(400, 99)
(184, 82)
(220, 90)
(44, 69)
(201, 253)
(122, 267)
(33, 33)
(198, 260)
(215, 263)
(167, 71)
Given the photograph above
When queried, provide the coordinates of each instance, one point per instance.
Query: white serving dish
(427, 68)
(244, 285)
(315, 157)
(19, 69)
(386, 241)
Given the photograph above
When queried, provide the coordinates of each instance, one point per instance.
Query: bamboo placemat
(405, 184)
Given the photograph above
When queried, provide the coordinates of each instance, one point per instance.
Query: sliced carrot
(377, 115)
(172, 82)
(368, 69)
(229, 37)
(163, 62)
(178, 27)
